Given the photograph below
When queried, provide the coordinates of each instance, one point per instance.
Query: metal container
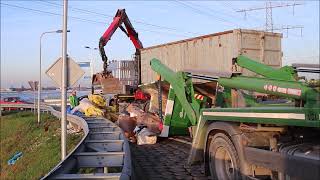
(214, 52)
(125, 71)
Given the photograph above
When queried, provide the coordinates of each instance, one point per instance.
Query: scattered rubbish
(93, 111)
(150, 120)
(73, 128)
(78, 113)
(145, 136)
(14, 158)
(69, 109)
(127, 124)
(46, 128)
(153, 91)
(139, 125)
(97, 100)
(90, 108)
(83, 105)
(75, 112)
(134, 110)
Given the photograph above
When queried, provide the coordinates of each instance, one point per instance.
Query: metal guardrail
(103, 148)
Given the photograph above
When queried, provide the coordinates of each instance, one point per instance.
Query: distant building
(125, 71)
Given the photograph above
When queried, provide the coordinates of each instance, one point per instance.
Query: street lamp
(40, 62)
(91, 61)
(88, 47)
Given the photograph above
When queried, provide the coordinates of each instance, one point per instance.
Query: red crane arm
(111, 29)
(120, 17)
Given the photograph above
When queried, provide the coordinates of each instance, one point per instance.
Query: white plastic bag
(83, 105)
(146, 137)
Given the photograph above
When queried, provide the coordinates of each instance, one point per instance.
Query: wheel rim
(223, 164)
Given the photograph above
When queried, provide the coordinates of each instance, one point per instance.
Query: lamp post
(91, 61)
(40, 64)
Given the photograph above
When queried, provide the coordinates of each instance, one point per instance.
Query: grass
(40, 145)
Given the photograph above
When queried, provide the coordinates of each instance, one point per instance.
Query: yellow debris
(97, 100)
(93, 111)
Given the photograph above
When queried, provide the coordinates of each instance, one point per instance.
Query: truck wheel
(224, 162)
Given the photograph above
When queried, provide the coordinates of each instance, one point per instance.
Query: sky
(157, 22)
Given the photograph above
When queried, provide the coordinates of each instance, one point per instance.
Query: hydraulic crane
(105, 78)
(235, 143)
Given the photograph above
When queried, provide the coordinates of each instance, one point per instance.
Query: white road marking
(257, 115)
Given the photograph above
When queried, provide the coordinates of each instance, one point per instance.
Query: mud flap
(198, 143)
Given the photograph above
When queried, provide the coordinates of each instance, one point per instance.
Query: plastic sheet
(14, 158)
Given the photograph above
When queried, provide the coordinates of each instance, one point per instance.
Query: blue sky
(21, 29)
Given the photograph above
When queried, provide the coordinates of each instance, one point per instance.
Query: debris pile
(140, 126)
(94, 105)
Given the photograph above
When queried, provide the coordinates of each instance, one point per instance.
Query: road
(165, 160)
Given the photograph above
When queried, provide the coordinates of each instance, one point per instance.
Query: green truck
(237, 138)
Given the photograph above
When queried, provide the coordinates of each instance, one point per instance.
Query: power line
(222, 12)
(49, 13)
(268, 8)
(273, 6)
(80, 19)
(185, 4)
(226, 5)
(288, 27)
(170, 33)
(212, 10)
(110, 16)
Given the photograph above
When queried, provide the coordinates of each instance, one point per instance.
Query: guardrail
(71, 118)
(98, 149)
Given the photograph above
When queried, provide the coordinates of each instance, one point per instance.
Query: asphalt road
(165, 160)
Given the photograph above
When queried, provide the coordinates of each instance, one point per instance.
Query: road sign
(74, 72)
(33, 85)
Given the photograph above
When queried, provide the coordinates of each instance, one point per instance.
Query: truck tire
(224, 163)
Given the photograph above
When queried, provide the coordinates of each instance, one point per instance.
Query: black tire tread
(224, 140)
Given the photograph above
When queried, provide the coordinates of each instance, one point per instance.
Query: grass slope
(40, 145)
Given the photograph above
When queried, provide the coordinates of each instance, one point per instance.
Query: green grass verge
(40, 145)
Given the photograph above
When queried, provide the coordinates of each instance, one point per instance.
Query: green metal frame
(176, 119)
(307, 122)
(280, 82)
(183, 89)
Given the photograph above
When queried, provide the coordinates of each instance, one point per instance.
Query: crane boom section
(285, 73)
(120, 17)
(288, 89)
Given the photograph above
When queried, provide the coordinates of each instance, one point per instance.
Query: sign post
(65, 72)
(64, 82)
(34, 85)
